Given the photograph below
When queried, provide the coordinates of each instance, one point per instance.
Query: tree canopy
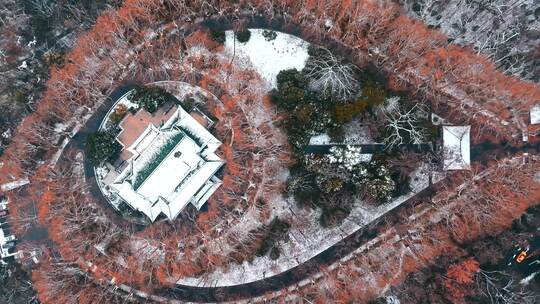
(102, 146)
(150, 98)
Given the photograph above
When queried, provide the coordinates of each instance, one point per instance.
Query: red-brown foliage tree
(459, 279)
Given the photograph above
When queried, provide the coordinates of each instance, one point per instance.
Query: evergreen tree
(102, 146)
(150, 98)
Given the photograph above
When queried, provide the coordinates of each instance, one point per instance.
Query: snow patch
(307, 237)
(535, 115)
(14, 185)
(268, 58)
(392, 300)
(527, 280)
(23, 65)
(321, 139)
(356, 133)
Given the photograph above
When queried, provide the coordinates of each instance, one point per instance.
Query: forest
(372, 76)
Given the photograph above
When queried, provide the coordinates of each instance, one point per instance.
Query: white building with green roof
(171, 166)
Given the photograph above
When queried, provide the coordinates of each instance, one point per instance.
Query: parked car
(4, 213)
(518, 255)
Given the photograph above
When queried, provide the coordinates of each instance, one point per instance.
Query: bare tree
(501, 288)
(44, 8)
(330, 76)
(403, 126)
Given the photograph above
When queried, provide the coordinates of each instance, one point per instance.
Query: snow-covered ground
(535, 114)
(355, 134)
(268, 58)
(307, 237)
(321, 139)
(182, 90)
(14, 185)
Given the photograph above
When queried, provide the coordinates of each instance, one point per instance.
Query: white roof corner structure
(171, 166)
(535, 114)
(457, 147)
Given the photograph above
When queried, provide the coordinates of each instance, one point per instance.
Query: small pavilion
(456, 147)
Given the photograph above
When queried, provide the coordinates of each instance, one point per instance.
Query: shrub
(330, 176)
(304, 113)
(54, 59)
(373, 93)
(402, 182)
(330, 184)
(337, 134)
(376, 183)
(333, 217)
(431, 131)
(102, 146)
(150, 98)
(188, 104)
(276, 231)
(218, 36)
(336, 208)
(289, 96)
(345, 113)
(118, 114)
(20, 97)
(301, 185)
(275, 252)
(243, 36)
(291, 89)
(269, 35)
(291, 77)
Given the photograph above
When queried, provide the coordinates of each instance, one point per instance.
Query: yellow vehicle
(521, 256)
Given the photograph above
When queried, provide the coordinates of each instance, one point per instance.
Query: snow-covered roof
(14, 185)
(171, 166)
(535, 114)
(456, 147)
